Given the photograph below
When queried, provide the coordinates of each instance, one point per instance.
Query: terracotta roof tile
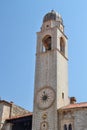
(76, 105)
(21, 116)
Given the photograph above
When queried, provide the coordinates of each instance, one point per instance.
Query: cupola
(53, 15)
(52, 19)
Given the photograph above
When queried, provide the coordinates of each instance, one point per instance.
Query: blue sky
(19, 22)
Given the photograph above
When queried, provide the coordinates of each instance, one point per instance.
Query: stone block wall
(18, 111)
(77, 117)
(10, 110)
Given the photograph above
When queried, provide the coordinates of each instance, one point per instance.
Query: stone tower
(51, 73)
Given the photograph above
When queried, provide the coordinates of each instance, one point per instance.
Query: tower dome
(53, 16)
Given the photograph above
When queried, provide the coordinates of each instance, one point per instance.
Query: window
(62, 95)
(62, 45)
(46, 43)
(65, 127)
(47, 26)
(70, 127)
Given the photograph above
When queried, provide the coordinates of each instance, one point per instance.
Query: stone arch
(65, 127)
(62, 45)
(70, 127)
(47, 43)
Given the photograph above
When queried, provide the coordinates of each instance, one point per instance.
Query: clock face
(45, 97)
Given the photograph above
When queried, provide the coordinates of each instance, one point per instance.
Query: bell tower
(51, 73)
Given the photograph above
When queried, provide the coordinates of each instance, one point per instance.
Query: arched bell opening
(47, 43)
(62, 46)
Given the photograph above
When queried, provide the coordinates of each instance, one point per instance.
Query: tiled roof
(21, 116)
(76, 105)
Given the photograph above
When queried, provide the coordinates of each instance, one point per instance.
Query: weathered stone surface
(52, 71)
(77, 117)
(9, 110)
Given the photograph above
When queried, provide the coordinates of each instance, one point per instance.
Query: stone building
(13, 117)
(53, 108)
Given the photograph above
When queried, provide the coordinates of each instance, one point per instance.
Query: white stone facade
(51, 71)
(77, 117)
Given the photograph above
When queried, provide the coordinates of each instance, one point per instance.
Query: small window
(47, 43)
(62, 45)
(43, 49)
(62, 95)
(47, 26)
(70, 127)
(65, 127)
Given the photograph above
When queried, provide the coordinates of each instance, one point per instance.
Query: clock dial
(45, 97)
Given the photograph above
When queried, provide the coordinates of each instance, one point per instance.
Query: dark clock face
(45, 97)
